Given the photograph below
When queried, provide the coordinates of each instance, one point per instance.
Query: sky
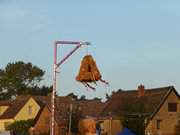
(133, 41)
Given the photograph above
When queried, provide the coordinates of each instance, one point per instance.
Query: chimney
(141, 91)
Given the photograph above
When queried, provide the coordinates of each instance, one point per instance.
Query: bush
(20, 127)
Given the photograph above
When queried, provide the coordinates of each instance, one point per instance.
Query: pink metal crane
(56, 66)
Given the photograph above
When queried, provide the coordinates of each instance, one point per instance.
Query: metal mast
(56, 65)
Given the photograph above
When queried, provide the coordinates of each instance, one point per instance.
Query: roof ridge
(148, 89)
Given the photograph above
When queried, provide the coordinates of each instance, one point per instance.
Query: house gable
(18, 110)
(170, 92)
(42, 121)
(163, 111)
(28, 111)
(155, 107)
(162, 120)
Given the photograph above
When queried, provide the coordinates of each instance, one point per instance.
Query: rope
(88, 86)
(103, 81)
(87, 52)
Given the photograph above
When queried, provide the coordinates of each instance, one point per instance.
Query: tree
(97, 99)
(82, 98)
(72, 95)
(20, 127)
(107, 96)
(42, 91)
(20, 78)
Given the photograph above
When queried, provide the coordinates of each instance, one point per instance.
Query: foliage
(107, 96)
(82, 98)
(43, 91)
(72, 95)
(97, 99)
(21, 126)
(75, 97)
(21, 78)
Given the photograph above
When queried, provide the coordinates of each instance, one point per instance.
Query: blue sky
(133, 42)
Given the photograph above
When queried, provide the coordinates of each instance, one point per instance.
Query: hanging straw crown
(89, 73)
(88, 70)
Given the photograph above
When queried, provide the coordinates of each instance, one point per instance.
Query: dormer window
(172, 107)
(29, 110)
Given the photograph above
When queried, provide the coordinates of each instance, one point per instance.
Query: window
(172, 107)
(30, 109)
(159, 124)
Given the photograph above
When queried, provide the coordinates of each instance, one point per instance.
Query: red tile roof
(5, 102)
(122, 101)
(14, 107)
(91, 108)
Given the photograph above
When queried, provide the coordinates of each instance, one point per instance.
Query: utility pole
(70, 119)
(110, 123)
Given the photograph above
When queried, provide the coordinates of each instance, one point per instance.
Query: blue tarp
(126, 131)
